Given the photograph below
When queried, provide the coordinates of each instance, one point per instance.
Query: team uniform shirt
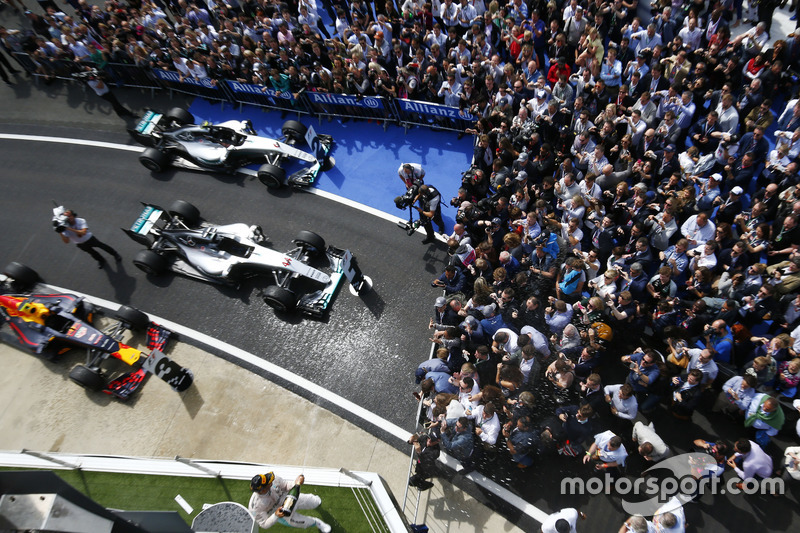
(79, 224)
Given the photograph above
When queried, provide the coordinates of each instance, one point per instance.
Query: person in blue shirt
(452, 280)
(644, 370)
(611, 71)
(719, 340)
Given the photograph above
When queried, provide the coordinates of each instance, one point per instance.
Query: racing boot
(322, 526)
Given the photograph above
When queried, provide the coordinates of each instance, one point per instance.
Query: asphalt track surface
(363, 351)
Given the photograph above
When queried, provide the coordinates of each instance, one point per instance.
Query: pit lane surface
(364, 351)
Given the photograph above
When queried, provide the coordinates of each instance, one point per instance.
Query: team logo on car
(287, 261)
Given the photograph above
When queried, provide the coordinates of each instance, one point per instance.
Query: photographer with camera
(430, 209)
(75, 230)
(93, 79)
(411, 174)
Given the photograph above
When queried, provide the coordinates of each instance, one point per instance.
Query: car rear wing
(150, 217)
(143, 130)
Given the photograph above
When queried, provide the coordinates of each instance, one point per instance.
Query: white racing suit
(263, 506)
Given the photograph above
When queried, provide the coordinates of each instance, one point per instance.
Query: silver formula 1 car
(231, 147)
(176, 240)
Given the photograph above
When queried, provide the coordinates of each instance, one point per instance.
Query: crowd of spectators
(622, 181)
(626, 242)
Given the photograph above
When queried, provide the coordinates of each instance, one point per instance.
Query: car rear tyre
(294, 130)
(272, 176)
(154, 160)
(188, 212)
(280, 299)
(24, 277)
(179, 116)
(87, 378)
(150, 263)
(133, 317)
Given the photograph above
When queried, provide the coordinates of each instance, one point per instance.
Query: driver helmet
(261, 480)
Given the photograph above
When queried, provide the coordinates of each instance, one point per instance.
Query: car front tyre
(280, 299)
(272, 176)
(23, 277)
(87, 378)
(313, 243)
(136, 319)
(294, 130)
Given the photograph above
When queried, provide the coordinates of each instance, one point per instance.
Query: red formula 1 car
(48, 324)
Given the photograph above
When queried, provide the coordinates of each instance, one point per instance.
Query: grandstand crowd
(627, 236)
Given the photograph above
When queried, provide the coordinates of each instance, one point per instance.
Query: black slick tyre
(136, 319)
(24, 277)
(179, 116)
(272, 176)
(87, 378)
(313, 243)
(186, 211)
(150, 262)
(154, 160)
(280, 299)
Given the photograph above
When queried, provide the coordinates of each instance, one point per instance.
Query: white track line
(299, 381)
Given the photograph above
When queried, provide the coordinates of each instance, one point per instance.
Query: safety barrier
(43, 67)
(133, 76)
(406, 113)
(348, 106)
(207, 88)
(414, 113)
(263, 96)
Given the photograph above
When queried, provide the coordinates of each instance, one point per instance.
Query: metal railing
(385, 111)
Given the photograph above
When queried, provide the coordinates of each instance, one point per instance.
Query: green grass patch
(139, 492)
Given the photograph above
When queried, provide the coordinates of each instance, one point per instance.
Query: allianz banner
(261, 90)
(175, 77)
(436, 110)
(370, 102)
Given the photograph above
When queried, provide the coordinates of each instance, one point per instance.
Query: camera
(60, 219)
(91, 74)
(733, 140)
(404, 201)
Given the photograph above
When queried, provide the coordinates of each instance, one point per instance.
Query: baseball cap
(261, 480)
(716, 177)
(488, 310)
(470, 321)
(496, 221)
(440, 301)
(669, 148)
(737, 191)
(522, 175)
(523, 156)
(541, 94)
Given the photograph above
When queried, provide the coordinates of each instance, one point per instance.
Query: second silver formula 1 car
(231, 147)
(177, 240)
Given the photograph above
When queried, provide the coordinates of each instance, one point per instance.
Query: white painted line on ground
(66, 140)
(343, 403)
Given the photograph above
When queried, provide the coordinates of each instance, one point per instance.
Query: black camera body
(60, 219)
(405, 201)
